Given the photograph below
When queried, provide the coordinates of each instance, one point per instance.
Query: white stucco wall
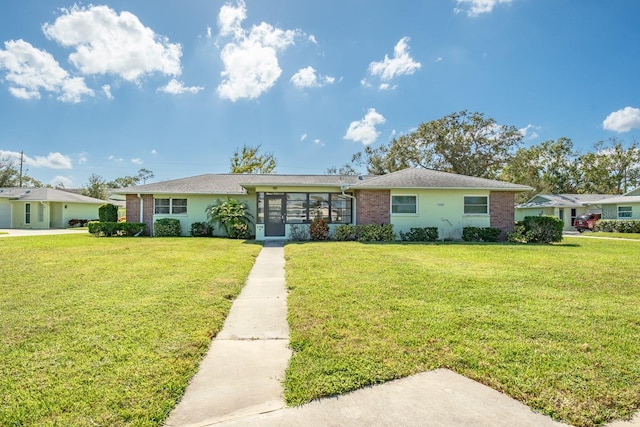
(443, 209)
(196, 207)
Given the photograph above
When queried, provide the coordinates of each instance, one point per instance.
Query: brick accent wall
(502, 211)
(373, 206)
(133, 210)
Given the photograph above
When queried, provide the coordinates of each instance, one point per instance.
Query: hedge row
(481, 234)
(365, 233)
(420, 234)
(111, 229)
(618, 225)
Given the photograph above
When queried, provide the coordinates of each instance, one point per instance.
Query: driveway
(16, 232)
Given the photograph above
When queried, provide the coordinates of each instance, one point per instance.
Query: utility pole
(21, 162)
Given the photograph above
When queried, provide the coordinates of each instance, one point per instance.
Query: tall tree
(9, 174)
(611, 168)
(467, 143)
(247, 160)
(130, 181)
(144, 175)
(345, 169)
(96, 187)
(549, 167)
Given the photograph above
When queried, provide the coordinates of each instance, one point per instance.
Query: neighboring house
(44, 207)
(626, 206)
(564, 206)
(406, 199)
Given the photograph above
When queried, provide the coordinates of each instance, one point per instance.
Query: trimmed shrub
(232, 216)
(319, 229)
(201, 229)
(375, 233)
(537, 229)
(167, 227)
(299, 232)
(618, 225)
(481, 234)
(116, 229)
(345, 232)
(108, 213)
(420, 234)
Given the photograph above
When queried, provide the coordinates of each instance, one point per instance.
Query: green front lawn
(108, 331)
(634, 236)
(554, 326)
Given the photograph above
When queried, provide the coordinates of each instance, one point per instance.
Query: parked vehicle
(586, 221)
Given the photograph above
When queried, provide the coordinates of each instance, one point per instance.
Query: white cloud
(623, 120)
(319, 142)
(477, 7)
(364, 130)
(401, 63)
(303, 137)
(82, 158)
(137, 161)
(175, 87)
(529, 132)
(108, 43)
(312, 39)
(154, 152)
(106, 89)
(61, 181)
(51, 161)
(438, 59)
(115, 159)
(306, 77)
(250, 58)
(31, 70)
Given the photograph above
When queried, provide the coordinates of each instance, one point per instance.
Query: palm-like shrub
(232, 216)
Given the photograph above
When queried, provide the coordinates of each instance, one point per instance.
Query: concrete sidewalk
(239, 382)
(242, 373)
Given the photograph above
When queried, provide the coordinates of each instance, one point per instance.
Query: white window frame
(27, 213)
(415, 196)
(171, 207)
(464, 204)
(627, 210)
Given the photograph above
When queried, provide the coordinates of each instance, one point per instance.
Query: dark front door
(274, 216)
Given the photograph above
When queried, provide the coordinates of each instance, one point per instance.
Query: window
(27, 213)
(476, 205)
(302, 208)
(404, 204)
(296, 208)
(170, 206)
(318, 206)
(340, 209)
(625, 212)
(40, 213)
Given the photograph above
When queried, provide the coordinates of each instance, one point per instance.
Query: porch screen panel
(318, 206)
(296, 208)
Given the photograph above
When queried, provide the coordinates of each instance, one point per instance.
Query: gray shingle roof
(235, 183)
(429, 178)
(46, 195)
(238, 183)
(564, 200)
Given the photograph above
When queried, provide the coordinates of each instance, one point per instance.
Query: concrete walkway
(239, 382)
(242, 373)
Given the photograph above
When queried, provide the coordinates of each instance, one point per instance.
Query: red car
(586, 221)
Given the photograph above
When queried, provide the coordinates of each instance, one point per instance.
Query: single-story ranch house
(564, 206)
(44, 208)
(407, 198)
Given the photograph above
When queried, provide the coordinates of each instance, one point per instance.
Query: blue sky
(177, 86)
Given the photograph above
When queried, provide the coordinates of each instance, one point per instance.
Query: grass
(634, 236)
(109, 331)
(554, 326)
